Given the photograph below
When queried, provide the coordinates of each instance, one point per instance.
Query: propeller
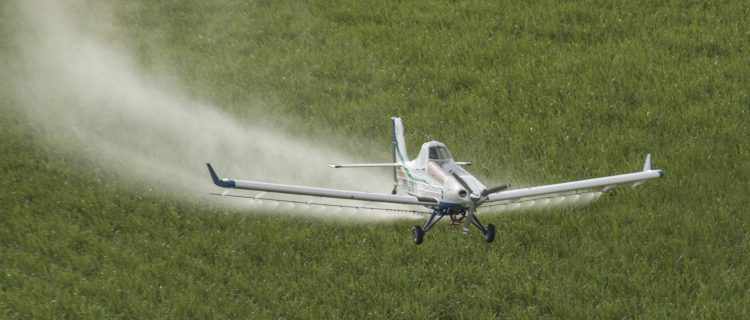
(487, 192)
(478, 198)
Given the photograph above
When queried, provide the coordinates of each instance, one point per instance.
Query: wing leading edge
(317, 192)
(606, 183)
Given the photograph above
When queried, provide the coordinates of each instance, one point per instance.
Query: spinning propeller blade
(492, 190)
(481, 197)
(474, 196)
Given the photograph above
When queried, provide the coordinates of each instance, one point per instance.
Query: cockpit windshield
(439, 153)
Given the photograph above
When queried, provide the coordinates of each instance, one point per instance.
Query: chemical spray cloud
(74, 84)
(558, 201)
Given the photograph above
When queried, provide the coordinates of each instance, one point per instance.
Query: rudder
(399, 149)
(399, 144)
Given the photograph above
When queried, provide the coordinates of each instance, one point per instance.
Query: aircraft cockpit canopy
(439, 153)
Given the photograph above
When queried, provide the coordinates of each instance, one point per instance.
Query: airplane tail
(399, 149)
(399, 144)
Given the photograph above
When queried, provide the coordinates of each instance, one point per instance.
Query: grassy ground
(534, 93)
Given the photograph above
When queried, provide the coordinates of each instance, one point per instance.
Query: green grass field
(532, 93)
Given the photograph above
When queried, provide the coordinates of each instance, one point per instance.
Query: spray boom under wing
(606, 183)
(319, 192)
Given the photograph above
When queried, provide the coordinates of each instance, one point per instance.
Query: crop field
(532, 93)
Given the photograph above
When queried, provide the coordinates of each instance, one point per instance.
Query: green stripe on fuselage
(406, 169)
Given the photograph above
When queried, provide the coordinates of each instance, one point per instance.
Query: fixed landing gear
(418, 234)
(457, 218)
(488, 232)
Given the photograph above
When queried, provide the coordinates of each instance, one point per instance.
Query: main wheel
(489, 235)
(418, 234)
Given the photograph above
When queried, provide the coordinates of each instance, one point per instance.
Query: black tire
(489, 235)
(418, 234)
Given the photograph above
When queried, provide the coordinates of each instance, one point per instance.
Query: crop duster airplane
(435, 181)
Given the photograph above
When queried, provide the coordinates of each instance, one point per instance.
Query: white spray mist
(73, 83)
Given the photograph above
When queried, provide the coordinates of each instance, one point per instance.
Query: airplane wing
(381, 209)
(601, 184)
(317, 192)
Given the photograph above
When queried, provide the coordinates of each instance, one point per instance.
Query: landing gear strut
(488, 232)
(419, 232)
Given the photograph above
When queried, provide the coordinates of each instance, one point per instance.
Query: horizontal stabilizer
(365, 165)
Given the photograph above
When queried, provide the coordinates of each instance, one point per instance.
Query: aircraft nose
(456, 193)
(458, 196)
(462, 193)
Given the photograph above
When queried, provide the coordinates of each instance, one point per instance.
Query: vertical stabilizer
(399, 144)
(399, 149)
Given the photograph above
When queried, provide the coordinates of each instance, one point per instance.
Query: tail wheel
(418, 234)
(489, 235)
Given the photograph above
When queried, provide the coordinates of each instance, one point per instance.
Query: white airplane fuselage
(431, 175)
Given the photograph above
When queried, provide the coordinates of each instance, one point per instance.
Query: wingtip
(647, 163)
(224, 183)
